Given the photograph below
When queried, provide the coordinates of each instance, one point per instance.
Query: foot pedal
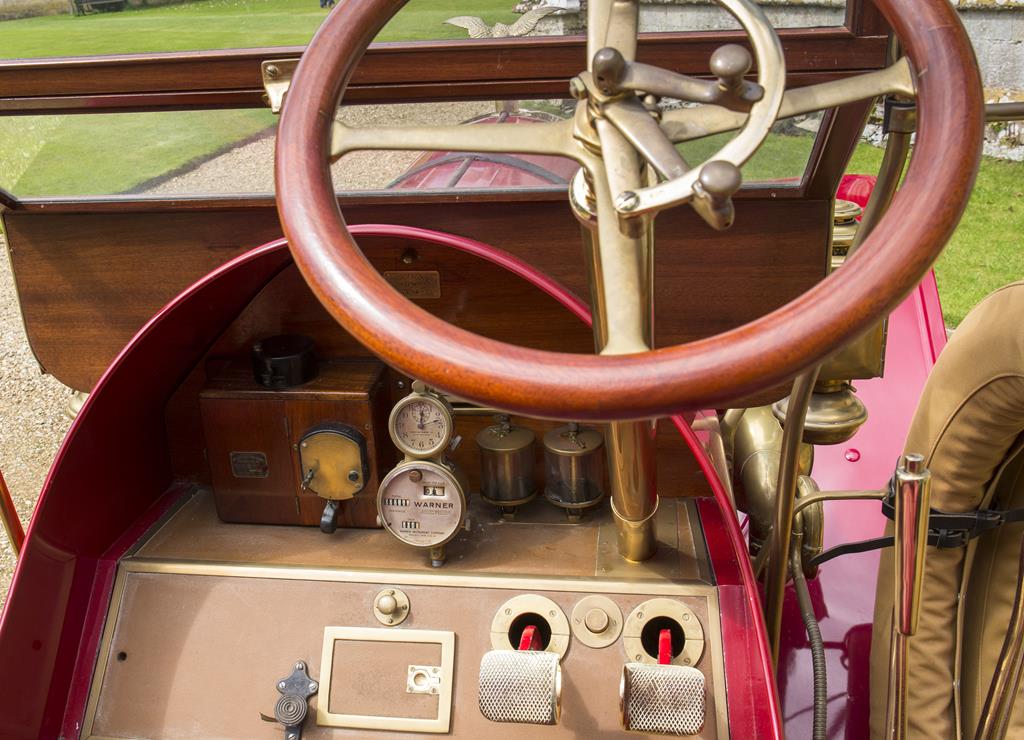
(662, 699)
(521, 686)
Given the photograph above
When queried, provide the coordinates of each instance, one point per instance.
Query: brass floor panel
(186, 656)
(538, 543)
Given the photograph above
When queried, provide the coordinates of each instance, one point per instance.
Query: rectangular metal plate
(415, 283)
(249, 465)
(365, 635)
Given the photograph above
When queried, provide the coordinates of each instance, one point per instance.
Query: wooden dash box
(252, 436)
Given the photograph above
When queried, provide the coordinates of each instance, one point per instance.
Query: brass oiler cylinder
(574, 467)
(844, 230)
(506, 464)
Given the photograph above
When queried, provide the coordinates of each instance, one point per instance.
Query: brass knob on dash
(391, 607)
(387, 604)
(596, 620)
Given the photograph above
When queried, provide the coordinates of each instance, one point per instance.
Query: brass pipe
(895, 157)
(1004, 112)
(913, 491)
(9, 515)
(782, 526)
(814, 498)
(756, 445)
(995, 717)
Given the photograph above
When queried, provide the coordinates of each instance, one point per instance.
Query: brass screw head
(627, 201)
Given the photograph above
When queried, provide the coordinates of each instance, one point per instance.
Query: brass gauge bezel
(447, 414)
(438, 469)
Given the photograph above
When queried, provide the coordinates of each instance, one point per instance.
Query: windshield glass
(57, 28)
(224, 152)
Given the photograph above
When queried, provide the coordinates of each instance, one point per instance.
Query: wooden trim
(425, 69)
(131, 102)
(88, 281)
(135, 204)
(366, 95)
(832, 151)
(7, 200)
(864, 19)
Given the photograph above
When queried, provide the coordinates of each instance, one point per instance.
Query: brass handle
(913, 490)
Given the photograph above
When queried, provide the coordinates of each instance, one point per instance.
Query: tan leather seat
(968, 425)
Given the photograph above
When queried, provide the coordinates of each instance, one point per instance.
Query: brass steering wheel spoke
(554, 139)
(685, 124)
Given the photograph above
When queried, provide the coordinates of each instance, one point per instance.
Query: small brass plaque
(415, 283)
(249, 465)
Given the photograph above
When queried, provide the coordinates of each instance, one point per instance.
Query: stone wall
(996, 27)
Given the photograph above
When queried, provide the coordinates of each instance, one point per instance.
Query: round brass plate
(596, 621)
(693, 647)
(531, 604)
(391, 607)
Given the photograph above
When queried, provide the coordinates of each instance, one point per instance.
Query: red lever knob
(665, 647)
(530, 640)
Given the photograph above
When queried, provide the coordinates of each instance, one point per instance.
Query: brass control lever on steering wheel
(614, 75)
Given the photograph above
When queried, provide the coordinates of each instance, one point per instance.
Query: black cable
(803, 597)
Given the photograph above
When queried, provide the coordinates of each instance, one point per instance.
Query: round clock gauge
(421, 425)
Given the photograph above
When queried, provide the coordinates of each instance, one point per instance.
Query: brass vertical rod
(913, 491)
(622, 323)
(9, 515)
(995, 717)
(785, 499)
(897, 146)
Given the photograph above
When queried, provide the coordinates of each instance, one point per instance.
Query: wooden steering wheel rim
(701, 374)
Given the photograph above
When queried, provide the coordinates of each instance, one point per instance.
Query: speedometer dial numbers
(421, 425)
(422, 504)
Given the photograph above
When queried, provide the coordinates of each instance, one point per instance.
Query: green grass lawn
(222, 24)
(987, 250)
(38, 153)
(114, 153)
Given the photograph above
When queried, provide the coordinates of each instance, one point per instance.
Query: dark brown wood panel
(134, 102)
(475, 66)
(87, 282)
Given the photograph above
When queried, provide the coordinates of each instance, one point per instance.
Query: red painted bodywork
(473, 170)
(843, 593)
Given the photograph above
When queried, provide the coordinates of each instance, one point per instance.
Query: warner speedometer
(422, 504)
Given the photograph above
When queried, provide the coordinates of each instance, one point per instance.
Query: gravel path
(250, 168)
(32, 405)
(32, 417)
